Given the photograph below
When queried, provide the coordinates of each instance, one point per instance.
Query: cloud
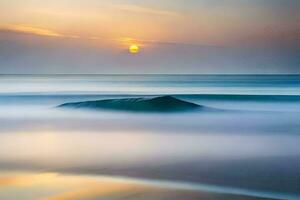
(30, 30)
(146, 10)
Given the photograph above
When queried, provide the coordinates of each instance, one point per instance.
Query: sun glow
(134, 48)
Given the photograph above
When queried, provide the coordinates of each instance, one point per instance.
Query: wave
(244, 97)
(141, 104)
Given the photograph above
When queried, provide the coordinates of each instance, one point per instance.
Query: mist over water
(253, 143)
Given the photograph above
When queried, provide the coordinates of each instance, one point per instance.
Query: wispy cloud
(30, 30)
(123, 41)
(145, 10)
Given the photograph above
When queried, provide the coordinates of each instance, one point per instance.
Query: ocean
(245, 145)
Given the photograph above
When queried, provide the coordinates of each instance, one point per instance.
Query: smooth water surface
(250, 149)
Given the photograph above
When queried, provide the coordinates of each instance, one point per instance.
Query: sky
(174, 36)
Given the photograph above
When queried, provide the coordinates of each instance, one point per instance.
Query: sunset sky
(173, 36)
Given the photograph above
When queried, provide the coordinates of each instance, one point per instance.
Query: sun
(134, 48)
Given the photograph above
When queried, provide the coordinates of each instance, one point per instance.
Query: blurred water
(150, 84)
(251, 145)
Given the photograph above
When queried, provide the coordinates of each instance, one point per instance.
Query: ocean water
(251, 148)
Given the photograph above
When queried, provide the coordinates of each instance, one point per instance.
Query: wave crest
(144, 104)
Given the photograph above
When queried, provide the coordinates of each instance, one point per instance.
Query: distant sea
(249, 150)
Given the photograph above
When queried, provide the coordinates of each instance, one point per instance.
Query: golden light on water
(134, 49)
(61, 186)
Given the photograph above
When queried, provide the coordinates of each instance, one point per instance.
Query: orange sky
(195, 22)
(180, 36)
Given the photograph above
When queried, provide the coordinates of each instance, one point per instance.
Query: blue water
(150, 84)
(253, 146)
